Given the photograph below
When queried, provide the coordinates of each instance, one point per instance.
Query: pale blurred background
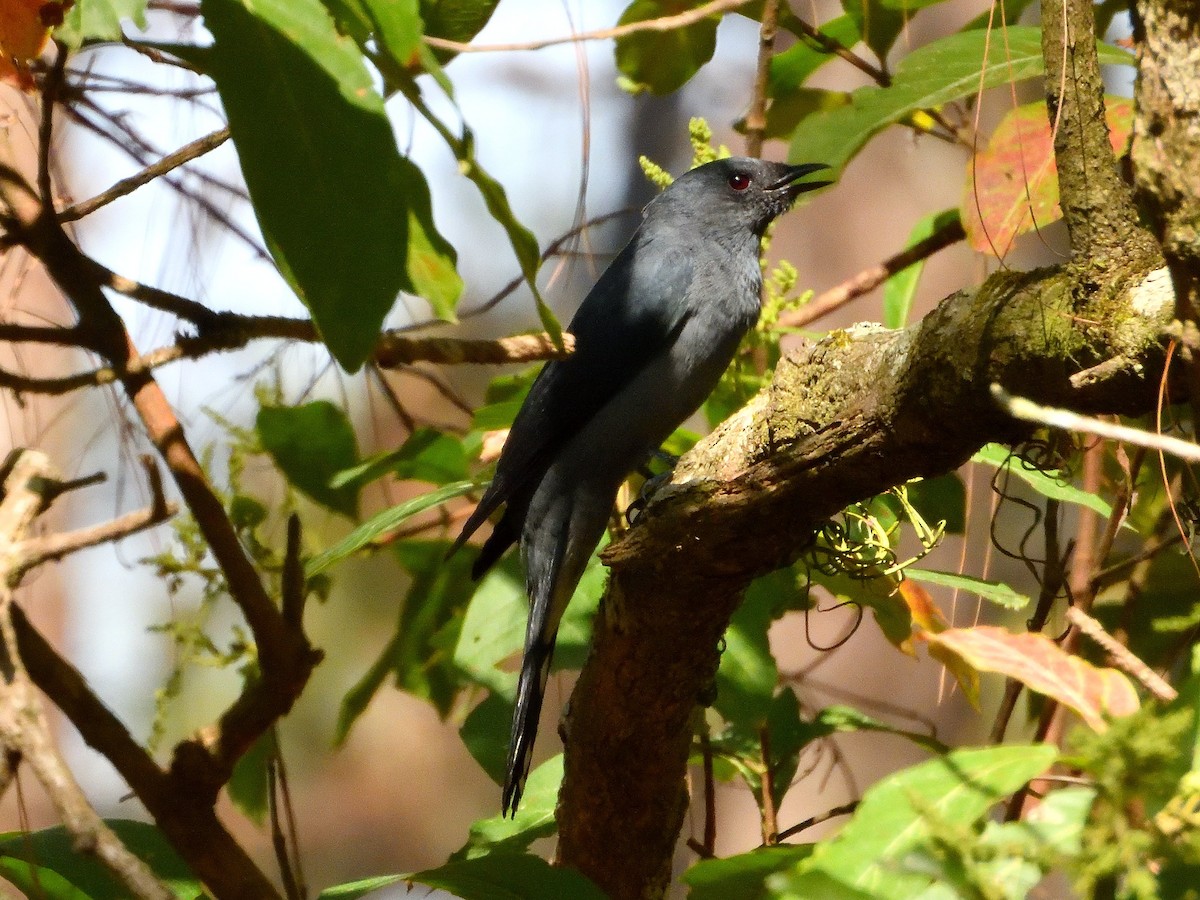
(401, 793)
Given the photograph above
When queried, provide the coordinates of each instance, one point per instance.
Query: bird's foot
(651, 485)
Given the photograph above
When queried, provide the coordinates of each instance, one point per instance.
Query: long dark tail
(531, 689)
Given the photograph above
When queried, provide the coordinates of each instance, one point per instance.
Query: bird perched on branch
(652, 339)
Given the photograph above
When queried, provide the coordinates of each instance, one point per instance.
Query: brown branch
(25, 730)
(869, 279)
(1122, 657)
(844, 419)
(665, 23)
(756, 118)
(844, 810)
(191, 826)
(125, 186)
(286, 659)
(1097, 205)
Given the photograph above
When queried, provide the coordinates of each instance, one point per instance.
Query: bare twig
(1029, 411)
(869, 279)
(844, 810)
(666, 23)
(756, 118)
(184, 154)
(1122, 657)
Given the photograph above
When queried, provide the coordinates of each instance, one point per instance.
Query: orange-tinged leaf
(1040, 664)
(925, 613)
(964, 673)
(1015, 185)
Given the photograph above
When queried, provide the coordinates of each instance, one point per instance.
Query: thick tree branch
(862, 410)
(1166, 146)
(1097, 205)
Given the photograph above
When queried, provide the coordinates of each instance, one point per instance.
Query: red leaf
(1015, 183)
(1040, 664)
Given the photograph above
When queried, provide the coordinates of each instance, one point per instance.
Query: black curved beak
(791, 181)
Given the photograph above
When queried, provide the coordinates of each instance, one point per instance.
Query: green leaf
(51, 850)
(1049, 484)
(427, 455)
(509, 876)
(355, 889)
(899, 290)
(663, 61)
(791, 68)
(434, 599)
(1004, 13)
(456, 20)
(741, 877)
(397, 27)
(249, 784)
(897, 814)
(995, 591)
(575, 629)
(493, 629)
(941, 499)
(38, 881)
(524, 244)
(485, 734)
(878, 25)
(346, 218)
(311, 444)
(99, 20)
(747, 675)
(384, 523)
(931, 76)
(534, 819)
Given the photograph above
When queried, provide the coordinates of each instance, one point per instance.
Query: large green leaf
(437, 593)
(311, 444)
(456, 20)
(996, 591)
(250, 785)
(741, 877)
(949, 69)
(509, 876)
(533, 819)
(383, 523)
(663, 61)
(346, 218)
(52, 850)
(900, 812)
(1050, 484)
(427, 455)
(99, 20)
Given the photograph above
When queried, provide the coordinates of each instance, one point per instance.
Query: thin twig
(50, 89)
(666, 23)
(184, 154)
(756, 118)
(869, 279)
(1029, 411)
(1122, 657)
(844, 810)
(770, 823)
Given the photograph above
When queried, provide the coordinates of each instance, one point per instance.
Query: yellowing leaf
(1012, 186)
(1040, 664)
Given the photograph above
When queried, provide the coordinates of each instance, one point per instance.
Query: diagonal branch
(862, 410)
(1097, 205)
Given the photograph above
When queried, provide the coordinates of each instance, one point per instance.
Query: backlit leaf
(1043, 666)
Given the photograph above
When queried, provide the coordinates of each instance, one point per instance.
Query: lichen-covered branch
(864, 409)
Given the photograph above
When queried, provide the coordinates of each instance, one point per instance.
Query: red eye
(739, 181)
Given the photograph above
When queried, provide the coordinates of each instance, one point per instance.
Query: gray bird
(652, 339)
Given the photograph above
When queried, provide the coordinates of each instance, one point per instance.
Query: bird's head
(737, 193)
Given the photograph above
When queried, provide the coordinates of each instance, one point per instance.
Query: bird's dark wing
(632, 315)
